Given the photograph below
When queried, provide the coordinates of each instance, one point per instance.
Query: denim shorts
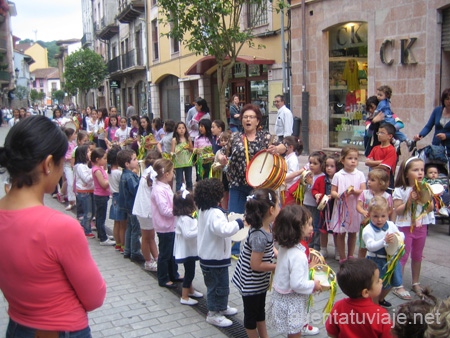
(396, 279)
(114, 212)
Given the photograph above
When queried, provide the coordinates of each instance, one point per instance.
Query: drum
(346, 192)
(424, 191)
(242, 233)
(323, 202)
(304, 177)
(392, 247)
(71, 124)
(437, 189)
(266, 170)
(317, 254)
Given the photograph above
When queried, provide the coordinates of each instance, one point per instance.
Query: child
(102, 113)
(376, 236)
(68, 171)
(384, 94)
(217, 128)
(84, 187)
(252, 273)
(165, 145)
(384, 155)
(123, 133)
(128, 186)
(185, 248)
(158, 130)
(291, 285)
(377, 184)
(181, 149)
(142, 208)
(110, 132)
(118, 216)
(344, 217)
(164, 221)
(317, 167)
(414, 227)
(214, 249)
(360, 280)
(321, 187)
(134, 133)
(432, 176)
(101, 193)
(294, 149)
(202, 147)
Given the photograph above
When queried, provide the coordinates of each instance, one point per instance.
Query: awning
(206, 63)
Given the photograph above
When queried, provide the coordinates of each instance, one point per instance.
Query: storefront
(353, 47)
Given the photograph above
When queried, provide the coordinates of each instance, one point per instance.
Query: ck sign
(406, 55)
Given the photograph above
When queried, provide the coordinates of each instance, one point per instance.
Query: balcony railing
(129, 10)
(86, 39)
(114, 65)
(128, 60)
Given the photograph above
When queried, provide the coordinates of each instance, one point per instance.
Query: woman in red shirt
(49, 277)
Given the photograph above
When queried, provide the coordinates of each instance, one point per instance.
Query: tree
(34, 95)
(213, 27)
(84, 70)
(59, 95)
(21, 92)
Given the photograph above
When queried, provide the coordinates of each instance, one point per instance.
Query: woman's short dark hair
(445, 95)
(27, 144)
(287, 229)
(158, 123)
(208, 193)
(250, 106)
(202, 102)
(183, 206)
(355, 275)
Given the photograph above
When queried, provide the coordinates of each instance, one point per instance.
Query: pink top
(98, 190)
(201, 142)
(70, 149)
(111, 132)
(52, 280)
(162, 207)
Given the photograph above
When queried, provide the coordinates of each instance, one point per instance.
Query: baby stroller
(436, 156)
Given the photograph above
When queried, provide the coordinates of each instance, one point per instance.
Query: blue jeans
(132, 244)
(217, 287)
(167, 268)
(86, 199)
(234, 129)
(16, 330)
(236, 204)
(101, 144)
(189, 273)
(187, 175)
(101, 205)
(396, 279)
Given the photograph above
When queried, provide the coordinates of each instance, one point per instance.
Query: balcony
(114, 65)
(86, 40)
(4, 76)
(129, 10)
(106, 30)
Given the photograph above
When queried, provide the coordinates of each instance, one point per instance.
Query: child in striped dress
(252, 274)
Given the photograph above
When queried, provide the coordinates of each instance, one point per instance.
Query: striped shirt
(248, 281)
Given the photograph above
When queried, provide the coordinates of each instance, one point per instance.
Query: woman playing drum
(241, 149)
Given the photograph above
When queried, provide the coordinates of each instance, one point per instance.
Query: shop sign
(114, 84)
(352, 34)
(406, 55)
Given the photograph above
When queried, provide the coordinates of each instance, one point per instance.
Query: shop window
(347, 84)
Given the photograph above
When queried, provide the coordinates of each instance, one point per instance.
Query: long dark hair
(207, 124)
(27, 144)
(176, 136)
(202, 102)
(258, 205)
(149, 126)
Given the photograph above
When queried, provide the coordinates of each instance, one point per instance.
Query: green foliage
(34, 95)
(21, 92)
(59, 95)
(84, 70)
(52, 50)
(41, 96)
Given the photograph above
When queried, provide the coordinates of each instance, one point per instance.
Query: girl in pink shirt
(164, 221)
(202, 147)
(68, 171)
(110, 132)
(101, 193)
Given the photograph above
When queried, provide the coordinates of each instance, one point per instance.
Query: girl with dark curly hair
(292, 287)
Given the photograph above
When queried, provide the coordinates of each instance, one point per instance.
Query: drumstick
(267, 153)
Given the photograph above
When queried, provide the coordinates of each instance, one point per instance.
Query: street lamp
(17, 71)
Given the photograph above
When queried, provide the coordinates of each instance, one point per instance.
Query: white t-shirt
(405, 220)
(292, 166)
(123, 134)
(114, 180)
(142, 206)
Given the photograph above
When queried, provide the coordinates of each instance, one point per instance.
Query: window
(175, 45)
(155, 39)
(54, 86)
(41, 82)
(257, 14)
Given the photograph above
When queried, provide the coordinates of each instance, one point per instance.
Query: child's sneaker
(118, 247)
(337, 257)
(153, 266)
(91, 235)
(196, 294)
(324, 252)
(384, 303)
(443, 211)
(122, 249)
(309, 330)
(230, 311)
(217, 319)
(190, 301)
(396, 144)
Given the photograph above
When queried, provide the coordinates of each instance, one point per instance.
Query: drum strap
(246, 150)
